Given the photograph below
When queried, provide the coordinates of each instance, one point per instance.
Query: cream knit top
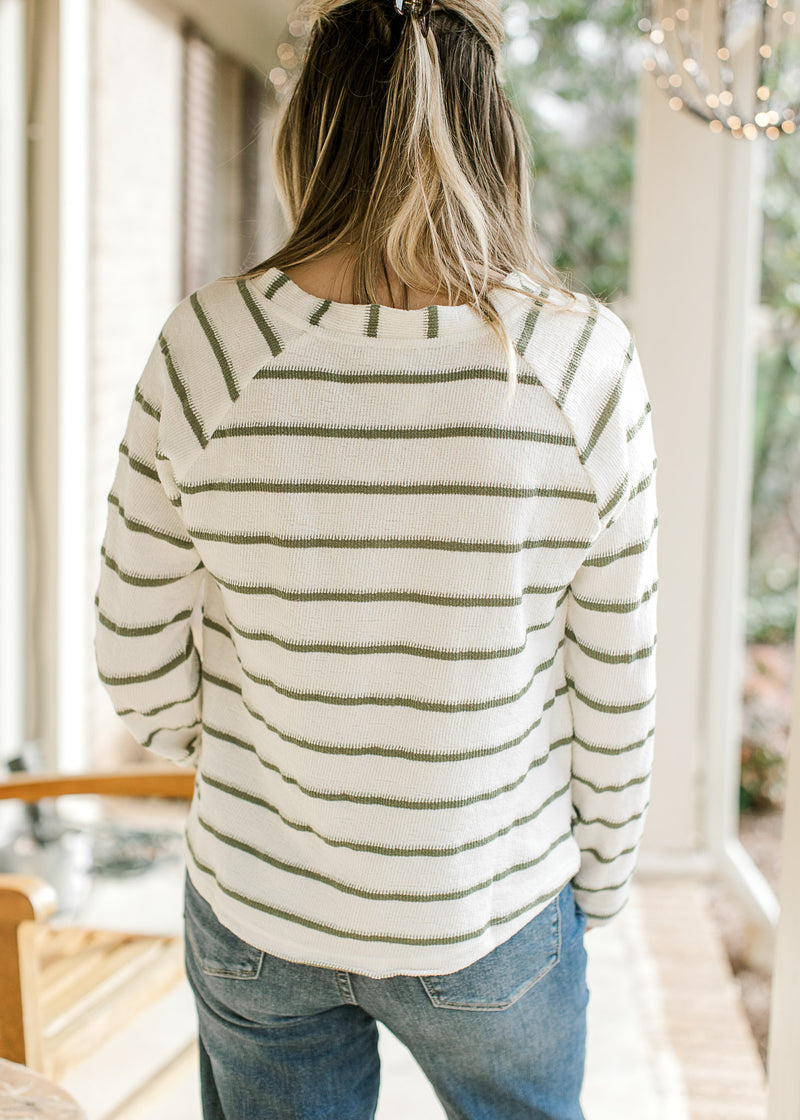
(420, 694)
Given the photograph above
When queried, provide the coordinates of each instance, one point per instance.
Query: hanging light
(733, 63)
(289, 52)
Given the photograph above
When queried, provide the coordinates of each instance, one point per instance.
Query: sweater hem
(319, 950)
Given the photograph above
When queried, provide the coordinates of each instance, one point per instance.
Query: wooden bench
(65, 991)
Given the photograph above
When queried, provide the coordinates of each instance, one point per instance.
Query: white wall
(131, 136)
(136, 244)
(12, 377)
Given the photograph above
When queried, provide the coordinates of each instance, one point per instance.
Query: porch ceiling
(247, 29)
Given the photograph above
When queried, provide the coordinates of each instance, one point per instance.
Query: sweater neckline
(373, 321)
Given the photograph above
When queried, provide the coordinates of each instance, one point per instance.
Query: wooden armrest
(24, 898)
(131, 781)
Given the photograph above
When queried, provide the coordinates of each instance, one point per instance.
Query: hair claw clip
(417, 9)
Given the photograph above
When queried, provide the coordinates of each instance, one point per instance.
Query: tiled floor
(667, 1037)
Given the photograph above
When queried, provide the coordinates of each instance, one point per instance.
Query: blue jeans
(503, 1039)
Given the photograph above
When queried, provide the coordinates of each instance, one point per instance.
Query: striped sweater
(419, 692)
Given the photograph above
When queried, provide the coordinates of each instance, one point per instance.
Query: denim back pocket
(500, 978)
(216, 950)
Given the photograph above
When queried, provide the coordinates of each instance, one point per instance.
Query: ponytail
(402, 147)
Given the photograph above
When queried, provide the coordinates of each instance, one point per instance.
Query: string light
(289, 53)
(735, 64)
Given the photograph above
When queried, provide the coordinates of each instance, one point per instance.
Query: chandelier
(733, 63)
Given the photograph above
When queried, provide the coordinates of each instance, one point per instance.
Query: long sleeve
(151, 578)
(610, 660)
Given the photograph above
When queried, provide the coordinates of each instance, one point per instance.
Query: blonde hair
(405, 150)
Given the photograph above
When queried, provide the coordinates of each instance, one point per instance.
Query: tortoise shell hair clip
(417, 9)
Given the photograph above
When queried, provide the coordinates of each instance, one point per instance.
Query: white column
(731, 446)
(74, 612)
(784, 1034)
(13, 372)
(677, 288)
(695, 282)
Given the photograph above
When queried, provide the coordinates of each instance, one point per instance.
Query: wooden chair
(63, 991)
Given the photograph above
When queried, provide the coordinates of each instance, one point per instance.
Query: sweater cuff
(600, 907)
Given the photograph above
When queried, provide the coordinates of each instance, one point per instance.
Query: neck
(331, 277)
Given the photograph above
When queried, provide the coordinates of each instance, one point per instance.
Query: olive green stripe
(393, 701)
(459, 431)
(373, 320)
(635, 428)
(614, 607)
(355, 935)
(612, 887)
(137, 464)
(432, 543)
(276, 285)
(181, 393)
(140, 527)
(220, 682)
(530, 324)
(142, 581)
(644, 484)
(613, 824)
(609, 408)
(378, 750)
(433, 321)
(160, 730)
(455, 489)
(216, 346)
(607, 658)
(578, 352)
(369, 648)
(601, 706)
(631, 550)
(153, 674)
(611, 789)
(145, 405)
(617, 496)
(399, 595)
(259, 319)
(595, 749)
(376, 896)
(531, 289)
(608, 859)
(433, 803)
(163, 707)
(382, 849)
(527, 331)
(323, 308)
(138, 631)
(392, 377)
(599, 917)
